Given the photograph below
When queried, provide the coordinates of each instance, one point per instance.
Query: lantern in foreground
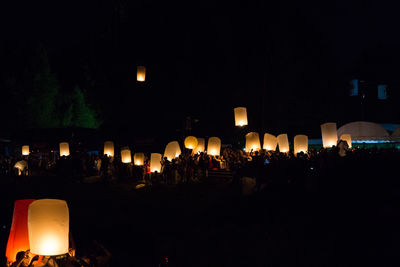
(138, 159)
(18, 240)
(214, 146)
(25, 150)
(141, 73)
(201, 146)
(48, 227)
(252, 142)
(300, 144)
(270, 142)
(126, 155)
(240, 116)
(21, 166)
(109, 148)
(191, 142)
(155, 162)
(329, 134)
(283, 143)
(64, 149)
(172, 150)
(347, 138)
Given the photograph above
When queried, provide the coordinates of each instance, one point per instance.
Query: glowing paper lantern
(64, 149)
(252, 142)
(300, 144)
(18, 240)
(270, 142)
(172, 150)
(48, 227)
(214, 146)
(126, 155)
(191, 142)
(25, 150)
(201, 146)
(109, 148)
(21, 166)
(240, 116)
(138, 159)
(141, 73)
(155, 162)
(329, 134)
(347, 138)
(283, 143)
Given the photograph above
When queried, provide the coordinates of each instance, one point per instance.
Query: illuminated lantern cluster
(25, 150)
(240, 116)
(214, 146)
(141, 74)
(201, 146)
(283, 143)
(64, 149)
(172, 150)
(270, 142)
(252, 142)
(329, 134)
(155, 162)
(347, 138)
(109, 148)
(300, 144)
(191, 142)
(126, 155)
(138, 159)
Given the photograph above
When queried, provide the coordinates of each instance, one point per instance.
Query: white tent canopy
(364, 130)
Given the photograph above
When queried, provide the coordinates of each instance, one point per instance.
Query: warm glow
(141, 73)
(155, 162)
(214, 146)
(109, 148)
(252, 142)
(329, 134)
(25, 150)
(300, 144)
(126, 155)
(240, 116)
(172, 150)
(270, 142)
(191, 142)
(48, 227)
(200, 146)
(347, 138)
(138, 158)
(64, 149)
(283, 143)
(21, 166)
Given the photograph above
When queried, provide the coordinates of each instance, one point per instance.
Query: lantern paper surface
(141, 73)
(18, 240)
(201, 146)
(25, 150)
(155, 162)
(126, 155)
(240, 116)
(172, 150)
(300, 144)
(48, 227)
(347, 138)
(138, 159)
(329, 134)
(64, 149)
(109, 148)
(191, 142)
(252, 142)
(283, 143)
(270, 142)
(214, 146)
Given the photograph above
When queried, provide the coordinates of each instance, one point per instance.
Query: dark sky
(280, 60)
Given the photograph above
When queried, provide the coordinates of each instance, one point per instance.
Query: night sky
(289, 63)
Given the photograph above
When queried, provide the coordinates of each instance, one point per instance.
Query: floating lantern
(270, 142)
(240, 116)
(214, 146)
(155, 162)
(201, 146)
(64, 149)
(191, 142)
(138, 159)
(347, 138)
(141, 73)
(252, 142)
(283, 143)
(172, 150)
(21, 165)
(329, 134)
(25, 150)
(126, 155)
(109, 148)
(48, 227)
(18, 240)
(300, 144)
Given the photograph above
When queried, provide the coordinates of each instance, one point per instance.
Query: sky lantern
(138, 159)
(300, 144)
(18, 240)
(155, 162)
(48, 227)
(21, 166)
(25, 150)
(126, 155)
(109, 148)
(172, 150)
(347, 138)
(64, 149)
(329, 134)
(270, 142)
(252, 142)
(141, 73)
(191, 142)
(240, 116)
(214, 146)
(201, 146)
(283, 143)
